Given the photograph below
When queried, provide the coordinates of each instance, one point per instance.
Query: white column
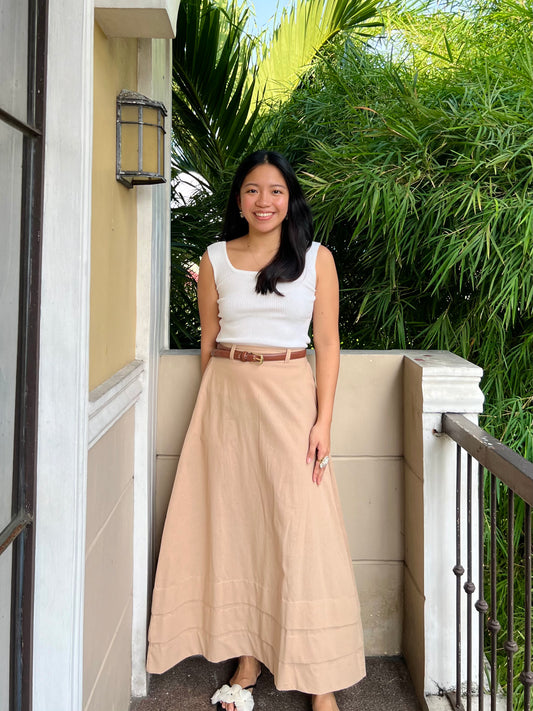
(434, 383)
(153, 247)
(63, 368)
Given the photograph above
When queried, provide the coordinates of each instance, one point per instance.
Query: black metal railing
(504, 491)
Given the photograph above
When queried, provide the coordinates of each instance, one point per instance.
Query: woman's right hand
(319, 446)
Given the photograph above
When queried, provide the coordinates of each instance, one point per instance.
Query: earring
(240, 214)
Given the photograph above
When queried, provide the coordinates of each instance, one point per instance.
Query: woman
(254, 559)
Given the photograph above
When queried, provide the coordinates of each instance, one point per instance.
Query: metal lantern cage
(140, 140)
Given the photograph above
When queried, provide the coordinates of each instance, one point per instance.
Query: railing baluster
(493, 624)
(512, 475)
(469, 586)
(526, 677)
(481, 605)
(510, 645)
(458, 570)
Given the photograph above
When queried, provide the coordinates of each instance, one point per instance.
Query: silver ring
(323, 463)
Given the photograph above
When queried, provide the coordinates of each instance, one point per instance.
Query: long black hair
(296, 230)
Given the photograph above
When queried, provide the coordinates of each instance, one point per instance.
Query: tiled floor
(189, 686)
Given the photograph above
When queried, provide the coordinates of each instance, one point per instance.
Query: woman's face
(264, 198)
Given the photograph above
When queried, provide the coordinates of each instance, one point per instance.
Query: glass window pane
(5, 624)
(130, 147)
(150, 116)
(161, 153)
(13, 57)
(129, 113)
(150, 149)
(10, 209)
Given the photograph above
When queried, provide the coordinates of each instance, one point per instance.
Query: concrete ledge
(137, 18)
(441, 703)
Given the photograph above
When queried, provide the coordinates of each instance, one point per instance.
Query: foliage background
(415, 148)
(416, 154)
(419, 173)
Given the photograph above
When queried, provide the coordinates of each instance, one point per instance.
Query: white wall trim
(109, 401)
(61, 494)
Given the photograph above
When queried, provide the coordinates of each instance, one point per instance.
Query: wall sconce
(140, 140)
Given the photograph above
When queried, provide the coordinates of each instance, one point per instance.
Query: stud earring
(240, 214)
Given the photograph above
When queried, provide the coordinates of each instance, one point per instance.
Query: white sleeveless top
(247, 317)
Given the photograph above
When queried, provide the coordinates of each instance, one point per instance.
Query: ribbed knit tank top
(247, 317)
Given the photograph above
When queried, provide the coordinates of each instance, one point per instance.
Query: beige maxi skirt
(254, 557)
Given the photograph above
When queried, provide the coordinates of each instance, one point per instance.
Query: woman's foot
(324, 702)
(246, 674)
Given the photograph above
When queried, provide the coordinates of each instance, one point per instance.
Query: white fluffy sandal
(242, 698)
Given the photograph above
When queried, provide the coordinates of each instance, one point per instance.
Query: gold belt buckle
(258, 358)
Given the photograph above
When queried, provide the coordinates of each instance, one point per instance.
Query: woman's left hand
(319, 442)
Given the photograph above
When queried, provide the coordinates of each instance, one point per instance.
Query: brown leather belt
(249, 357)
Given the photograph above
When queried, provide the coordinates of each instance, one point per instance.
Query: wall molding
(113, 398)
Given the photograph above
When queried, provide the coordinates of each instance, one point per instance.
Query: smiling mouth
(263, 214)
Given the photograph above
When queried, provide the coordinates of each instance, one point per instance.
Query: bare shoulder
(324, 252)
(325, 264)
(206, 273)
(205, 262)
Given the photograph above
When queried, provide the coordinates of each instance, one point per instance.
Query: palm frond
(214, 114)
(301, 34)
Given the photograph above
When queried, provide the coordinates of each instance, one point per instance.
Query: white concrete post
(153, 256)
(435, 383)
(64, 361)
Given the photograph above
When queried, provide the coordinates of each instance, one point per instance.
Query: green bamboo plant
(423, 183)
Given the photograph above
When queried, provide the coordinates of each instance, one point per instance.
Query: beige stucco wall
(367, 443)
(109, 569)
(114, 218)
